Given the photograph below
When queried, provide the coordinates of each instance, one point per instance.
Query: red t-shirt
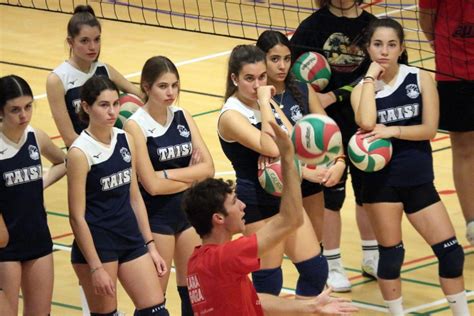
(454, 37)
(217, 278)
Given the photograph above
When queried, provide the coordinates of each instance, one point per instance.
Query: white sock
(370, 248)
(395, 307)
(333, 256)
(85, 306)
(458, 304)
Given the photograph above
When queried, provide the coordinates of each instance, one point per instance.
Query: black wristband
(149, 242)
(369, 77)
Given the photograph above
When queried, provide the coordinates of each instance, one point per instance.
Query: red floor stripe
(439, 138)
(61, 236)
(447, 191)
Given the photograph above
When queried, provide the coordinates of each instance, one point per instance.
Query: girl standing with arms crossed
(64, 83)
(242, 127)
(107, 214)
(171, 155)
(297, 99)
(401, 103)
(27, 261)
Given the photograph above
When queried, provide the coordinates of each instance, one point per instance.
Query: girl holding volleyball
(171, 155)
(107, 214)
(243, 125)
(26, 262)
(401, 103)
(336, 31)
(297, 99)
(64, 83)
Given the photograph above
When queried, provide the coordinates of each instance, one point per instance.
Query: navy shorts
(334, 196)
(456, 106)
(260, 205)
(108, 255)
(31, 254)
(169, 222)
(413, 198)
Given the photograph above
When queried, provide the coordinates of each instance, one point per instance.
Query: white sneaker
(369, 266)
(337, 279)
(470, 232)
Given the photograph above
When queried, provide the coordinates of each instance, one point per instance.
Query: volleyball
(317, 139)
(314, 69)
(129, 103)
(270, 177)
(369, 157)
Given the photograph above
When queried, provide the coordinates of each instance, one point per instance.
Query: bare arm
(233, 126)
(201, 170)
(4, 237)
(57, 104)
(77, 169)
(123, 84)
(363, 99)
(323, 304)
(139, 209)
(54, 155)
(153, 182)
(290, 216)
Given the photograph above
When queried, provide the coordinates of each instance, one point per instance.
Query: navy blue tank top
(288, 104)
(401, 105)
(109, 214)
(21, 193)
(169, 147)
(73, 79)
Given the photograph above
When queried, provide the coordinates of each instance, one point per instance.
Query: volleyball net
(237, 18)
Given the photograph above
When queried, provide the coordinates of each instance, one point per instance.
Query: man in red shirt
(217, 271)
(449, 26)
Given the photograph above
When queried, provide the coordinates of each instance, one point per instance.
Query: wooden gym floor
(33, 43)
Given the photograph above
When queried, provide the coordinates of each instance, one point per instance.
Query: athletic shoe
(470, 232)
(369, 266)
(337, 279)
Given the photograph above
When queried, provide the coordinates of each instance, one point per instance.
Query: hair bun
(84, 8)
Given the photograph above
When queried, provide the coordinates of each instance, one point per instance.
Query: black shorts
(169, 222)
(309, 188)
(108, 255)
(32, 254)
(259, 204)
(456, 108)
(413, 198)
(334, 196)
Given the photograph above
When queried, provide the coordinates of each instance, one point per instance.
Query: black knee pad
(450, 258)
(157, 310)
(104, 314)
(390, 261)
(313, 276)
(268, 281)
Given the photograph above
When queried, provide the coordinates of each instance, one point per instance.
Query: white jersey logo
(296, 114)
(183, 131)
(412, 91)
(125, 154)
(33, 151)
(77, 105)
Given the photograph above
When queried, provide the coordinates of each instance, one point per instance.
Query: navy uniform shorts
(108, 255)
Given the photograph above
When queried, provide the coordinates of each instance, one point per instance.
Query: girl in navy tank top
(400, 103)
(27, 261)
(242, 127)
(107, 213)
(171, 156)
(64, 84)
